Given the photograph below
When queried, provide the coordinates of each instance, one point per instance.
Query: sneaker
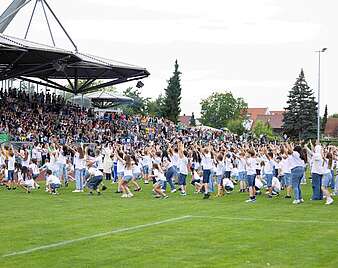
(302, 200)
(157, 196)
(138, 190)
(183, 193)
(76, 191)
(90, 193)
(173, 191)
(269, 196)
(66, 184)
(206, 196)
(165, 197)
(130, 195)
(250, 200)
(296, 202)
(146, 182)
(124, 196)
(329, 201)
(287, 196)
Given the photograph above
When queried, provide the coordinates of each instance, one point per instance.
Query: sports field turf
(77, 230)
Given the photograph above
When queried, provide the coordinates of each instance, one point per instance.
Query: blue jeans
(62, 172)
(79, 176)
(269, 179)
(332, 181)
(297, 175)
(317, 193)
(169, 178)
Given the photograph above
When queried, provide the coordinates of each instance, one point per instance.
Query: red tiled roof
(277, 112)
(331, 128)
(274, 120)
(254, 112)
(184, 120)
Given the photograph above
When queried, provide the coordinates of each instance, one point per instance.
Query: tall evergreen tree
(172, 98)
(300, 117)
(324, 120)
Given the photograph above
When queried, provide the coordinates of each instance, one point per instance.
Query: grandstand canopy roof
(46, 65)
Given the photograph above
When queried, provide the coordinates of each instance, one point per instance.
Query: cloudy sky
(254, 48)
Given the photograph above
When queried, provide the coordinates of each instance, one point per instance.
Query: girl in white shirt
(250, 166)
(160, 179)
(327, 178)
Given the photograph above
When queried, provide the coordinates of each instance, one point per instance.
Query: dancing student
(61, 162)
(316, 164)
(127, 174)
(196, 180)
(285, 172)
(207, 164)
(79, 162)
(137, 173)
(120, 169)
(327, 177)
(26, 183)
(10, 168)
(108, 162)
(183, 168)
(251, 166)
(160, 179)
(170, 170)
(298, 158)
(53, 182)
(146, 162)
(241, 172)
(268, 166)
(94, 179)
(219, 162)
(34, 172)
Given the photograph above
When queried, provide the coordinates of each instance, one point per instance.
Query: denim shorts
(10, 175)
(269, 179)
(137, 176)
(127, 178)
(94, 182)
(251, 180)
(146, 170)
(288, 179)
(242, 176)
(219, 179)
(54, 186)
(120, 174)
(182, 179)
(206, 175)
(326, 180)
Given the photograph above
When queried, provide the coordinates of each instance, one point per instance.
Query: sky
(255, 49)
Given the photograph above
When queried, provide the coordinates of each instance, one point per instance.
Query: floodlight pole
(318, 107)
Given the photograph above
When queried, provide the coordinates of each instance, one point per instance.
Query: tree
(139, 104)
(172, 98)
(262, 128)
(236, 126)
(324, 120)
(220, 108)
(156, 107)
(300, 115)
(334, 116)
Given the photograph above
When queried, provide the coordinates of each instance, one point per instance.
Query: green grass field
(107, 231)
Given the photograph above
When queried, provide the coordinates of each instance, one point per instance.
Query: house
(254, 112)
(331, 128)
(185, 120)
(275, 120)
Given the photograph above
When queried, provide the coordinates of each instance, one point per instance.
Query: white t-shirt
(159, 176)
(250, 166)
(317, 164)
(52, 179)
(78, 162)
(228, 183)
(219, 168)
(276, 185)
(11, 163)
(94, 172)
(34, 168)
(207, 162)
(296, 161)
(183, 166)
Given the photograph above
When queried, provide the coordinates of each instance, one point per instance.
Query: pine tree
(300, 115)
(324, 120)
(172, 98)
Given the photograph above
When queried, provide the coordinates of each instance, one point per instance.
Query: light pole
(318, 109)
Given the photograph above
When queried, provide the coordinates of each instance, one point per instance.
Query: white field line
(66, 242)
(264, 220)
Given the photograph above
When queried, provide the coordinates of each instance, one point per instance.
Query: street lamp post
(318, 108)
